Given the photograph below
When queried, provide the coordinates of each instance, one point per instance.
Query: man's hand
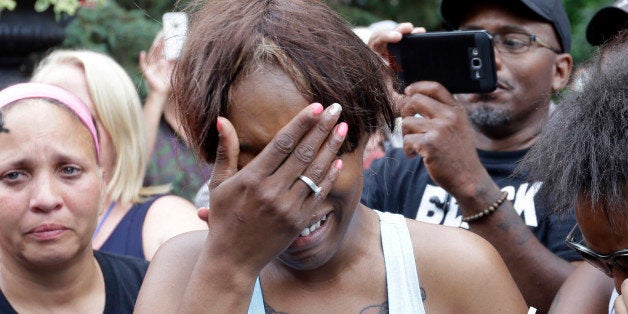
(379, 41)
(436, 127)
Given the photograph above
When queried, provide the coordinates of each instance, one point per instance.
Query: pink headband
(40, 90)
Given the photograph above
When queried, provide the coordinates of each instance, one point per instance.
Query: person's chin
(51, 257)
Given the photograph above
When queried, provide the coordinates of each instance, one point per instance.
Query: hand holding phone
(463, 61)
(175, 25)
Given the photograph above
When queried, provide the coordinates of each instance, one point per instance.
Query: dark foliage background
(122, 28)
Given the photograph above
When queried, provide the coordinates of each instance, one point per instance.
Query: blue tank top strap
(126, 238)
(257, 301)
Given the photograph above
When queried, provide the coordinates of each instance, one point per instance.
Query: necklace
(104, 217)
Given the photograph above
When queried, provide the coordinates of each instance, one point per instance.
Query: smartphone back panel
(463, 61)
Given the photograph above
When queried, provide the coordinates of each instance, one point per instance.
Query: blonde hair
(117, 106)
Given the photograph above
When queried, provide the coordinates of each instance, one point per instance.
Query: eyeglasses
(606, 263)
(518, 42)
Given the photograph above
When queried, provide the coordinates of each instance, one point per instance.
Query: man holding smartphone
(467, 146)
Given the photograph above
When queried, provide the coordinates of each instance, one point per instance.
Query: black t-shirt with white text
(398, 184)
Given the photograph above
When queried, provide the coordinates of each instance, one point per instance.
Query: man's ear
(563, 65)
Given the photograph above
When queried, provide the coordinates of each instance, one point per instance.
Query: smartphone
(463, 61)
(175, 28)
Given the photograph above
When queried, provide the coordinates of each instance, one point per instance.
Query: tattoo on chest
(269, 309)
(376, 309)
(371, 309)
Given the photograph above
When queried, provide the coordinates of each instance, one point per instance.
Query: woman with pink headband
(51, 188)
(137, 219)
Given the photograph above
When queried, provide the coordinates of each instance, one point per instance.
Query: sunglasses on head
(606, 263)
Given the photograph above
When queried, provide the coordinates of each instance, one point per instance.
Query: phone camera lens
(476, 63)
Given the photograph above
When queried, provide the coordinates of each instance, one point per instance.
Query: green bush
(123, 28)
(116, 31)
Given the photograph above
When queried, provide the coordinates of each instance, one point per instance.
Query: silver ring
(315, 188)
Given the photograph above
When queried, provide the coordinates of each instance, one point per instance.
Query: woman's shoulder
(185, 246)
(173, 208)
(168, 216)
(175, 259)
(169, 272)
(447, 255)
(454, 248)
(168, 200)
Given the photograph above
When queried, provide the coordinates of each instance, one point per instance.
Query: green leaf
(42, 5)
(7, 4)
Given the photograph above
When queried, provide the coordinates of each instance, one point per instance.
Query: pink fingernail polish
(342, 129)
(338, 164)
(219, 125)
(317, 109)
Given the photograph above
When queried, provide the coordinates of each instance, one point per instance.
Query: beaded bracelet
(489, 210)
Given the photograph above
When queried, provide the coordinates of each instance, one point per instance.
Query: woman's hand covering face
(258, 211)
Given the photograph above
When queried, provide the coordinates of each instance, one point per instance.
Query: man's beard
(487, 118)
